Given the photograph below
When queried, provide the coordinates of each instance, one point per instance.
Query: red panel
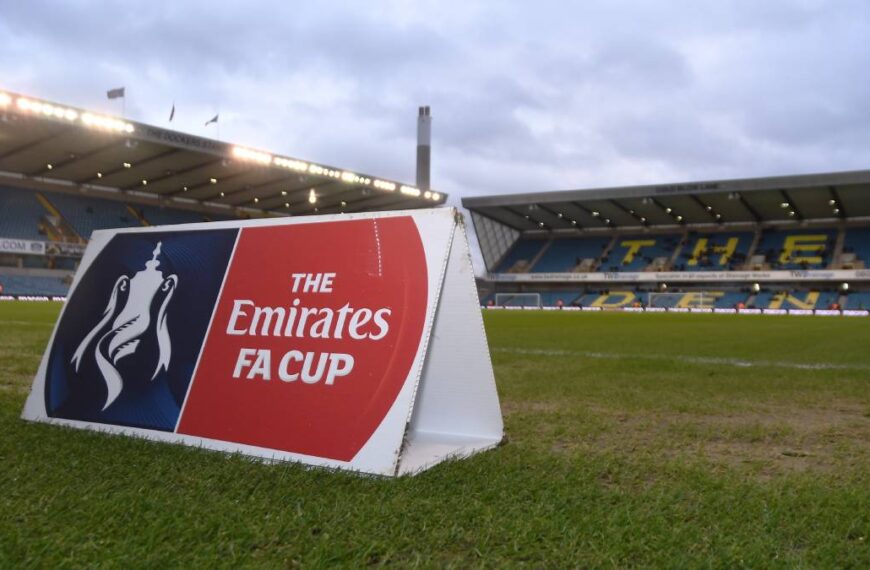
(379, 265)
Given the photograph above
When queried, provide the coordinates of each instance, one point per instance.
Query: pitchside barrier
(352, 342)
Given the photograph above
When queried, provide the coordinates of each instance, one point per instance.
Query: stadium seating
(33, 285)
(20, 214)
(797, 249)
(857, 300)
(565, 255)
(795, 299)
(87, 214)
(637, 252)
(520, 256)
(723, 251)
(857, 242)
(166, 216)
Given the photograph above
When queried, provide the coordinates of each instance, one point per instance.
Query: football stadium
(682, 371)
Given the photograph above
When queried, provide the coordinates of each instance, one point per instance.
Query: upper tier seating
(636, 252)
(521, 255)
(20, 214)
(166, 216)
(857, 242)
(87, 214)
(725, 251)
(797, 249)
(565, 255)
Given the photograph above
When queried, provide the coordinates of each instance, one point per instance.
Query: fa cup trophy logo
(134, 315)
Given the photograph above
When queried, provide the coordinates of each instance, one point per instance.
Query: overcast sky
(525, 96)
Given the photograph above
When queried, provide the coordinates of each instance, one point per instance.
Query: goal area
(518, 300)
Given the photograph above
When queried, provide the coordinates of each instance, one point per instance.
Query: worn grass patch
(633, 440)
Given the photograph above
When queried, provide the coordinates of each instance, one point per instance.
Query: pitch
(633, 440)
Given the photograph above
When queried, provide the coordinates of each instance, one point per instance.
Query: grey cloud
(525, 97)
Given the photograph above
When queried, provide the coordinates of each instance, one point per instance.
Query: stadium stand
(797, 249)
(721, 251)
(65, 172)
(795, 299)
(166, 216)
(522, 255)
(86, 214)
(793, 243)
(572, 254)
(858, 301)
(856, 249)
(20, 214)
(641, 252)
(34, 285)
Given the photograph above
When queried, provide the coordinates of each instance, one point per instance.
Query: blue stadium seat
(636, 252)
(20, 214)
(795, 300)
(86, 214)
(857, 241)
(810, 249)
(857, 300)
(564, 254)
(710, 251)
(522, 250)
(31, 285)
(168, 216)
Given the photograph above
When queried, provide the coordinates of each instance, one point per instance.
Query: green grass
(633, 440)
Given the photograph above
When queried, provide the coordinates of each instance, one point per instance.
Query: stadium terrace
(799, 243)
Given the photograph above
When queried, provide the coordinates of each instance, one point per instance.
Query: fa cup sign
(351, 342)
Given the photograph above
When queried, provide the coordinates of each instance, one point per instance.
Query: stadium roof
(811, 197)
(49, 146)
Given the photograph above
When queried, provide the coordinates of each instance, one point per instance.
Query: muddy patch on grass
(765, 441)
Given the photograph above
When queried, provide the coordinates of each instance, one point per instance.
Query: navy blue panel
(174, 290)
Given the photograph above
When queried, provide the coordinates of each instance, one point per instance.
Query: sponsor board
(828, 313)
(31, 247)
(855, 313)
(21, 246)
(686, 276)
(350, 342)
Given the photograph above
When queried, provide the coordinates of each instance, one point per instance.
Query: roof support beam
(838, 202)
(753, 213)
(798, 215)
(28, 146)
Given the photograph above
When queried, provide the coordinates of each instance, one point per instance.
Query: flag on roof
(212, 120)
(115, 93)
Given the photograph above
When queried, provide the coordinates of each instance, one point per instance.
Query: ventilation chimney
(424, 147)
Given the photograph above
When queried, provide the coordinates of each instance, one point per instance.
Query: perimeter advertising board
(351, 341)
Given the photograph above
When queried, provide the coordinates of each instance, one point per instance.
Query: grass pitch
(634, 440)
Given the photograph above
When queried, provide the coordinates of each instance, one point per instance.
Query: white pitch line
(736, 362)
(30, 323)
